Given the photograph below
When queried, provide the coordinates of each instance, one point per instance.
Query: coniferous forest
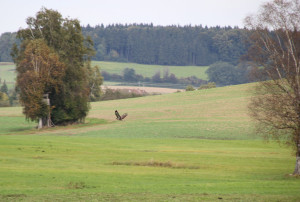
(168, 45)
(163, 45)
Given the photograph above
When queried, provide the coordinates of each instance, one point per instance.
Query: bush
(129, 74)
(207, 86)
(4, 104)
(222, 73)
(189, 88)
(3, 96)
(156, 77)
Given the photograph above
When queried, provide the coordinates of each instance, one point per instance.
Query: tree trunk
(44, 122)
(40, 125)
(297, 166)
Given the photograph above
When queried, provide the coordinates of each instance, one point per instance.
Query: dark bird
(118, 117)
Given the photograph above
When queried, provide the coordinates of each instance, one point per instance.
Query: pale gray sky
(160, 12)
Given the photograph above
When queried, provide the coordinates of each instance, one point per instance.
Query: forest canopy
(168, 45)
(163, 45)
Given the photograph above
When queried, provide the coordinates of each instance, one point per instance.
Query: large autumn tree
(63, 37)
(276, 54)
(39, 72)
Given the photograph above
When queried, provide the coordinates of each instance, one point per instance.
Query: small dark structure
(118, 117)
(45, 121)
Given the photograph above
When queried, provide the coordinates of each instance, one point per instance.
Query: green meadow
(189, 146)
(7, 73)
(7, 70)
(150, 70)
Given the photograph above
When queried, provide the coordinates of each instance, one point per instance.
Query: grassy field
(7, 70)
(150, 70)
(189, 146)
(7, 73)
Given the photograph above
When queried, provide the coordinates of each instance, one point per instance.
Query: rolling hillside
(7, 71)
(188, 146)
(150, 70)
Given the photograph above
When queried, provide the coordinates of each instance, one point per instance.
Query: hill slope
(189, 146)
(150, 70)
(219, 113)
(7, 70)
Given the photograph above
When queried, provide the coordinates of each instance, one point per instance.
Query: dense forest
(163, 45)
(168, 45)
(6, 42)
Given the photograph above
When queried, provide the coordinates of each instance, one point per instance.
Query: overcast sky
(159, 12)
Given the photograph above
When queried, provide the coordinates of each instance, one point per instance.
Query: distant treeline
(129, 75)
(163, 45)
(168, 45)
(220, 73)
(6, 42)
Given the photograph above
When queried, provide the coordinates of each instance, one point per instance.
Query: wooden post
(46, 100)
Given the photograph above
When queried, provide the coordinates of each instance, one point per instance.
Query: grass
(189, 146)
(7, 73)
(150, 70)
(153, 163)
(218, 113)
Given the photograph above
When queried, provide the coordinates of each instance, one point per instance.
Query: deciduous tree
(222, 73)
(39, 72)
(276, 53)
(64, 37)
(95, 81)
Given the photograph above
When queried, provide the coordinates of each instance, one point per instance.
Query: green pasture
(150, 70)
(191, 146)
(7, 73)
(7, 70)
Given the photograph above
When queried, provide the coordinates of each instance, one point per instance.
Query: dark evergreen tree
(129, 75)
(169, 45)
(156, 77)
(4, 88)
(148, 44)
(6, 42)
